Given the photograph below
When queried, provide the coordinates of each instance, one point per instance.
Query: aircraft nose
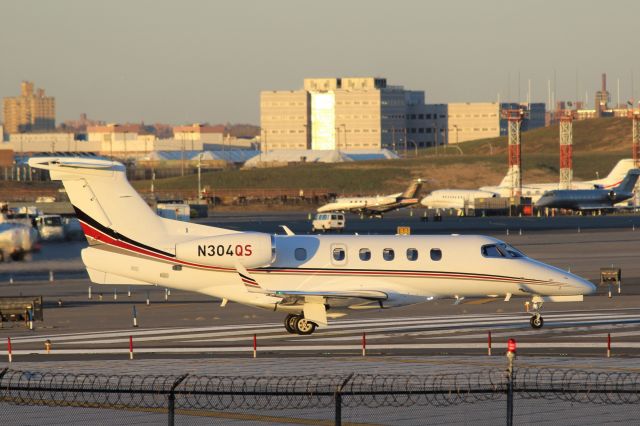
(583, 286)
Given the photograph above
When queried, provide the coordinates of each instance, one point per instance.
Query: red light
(511, 345)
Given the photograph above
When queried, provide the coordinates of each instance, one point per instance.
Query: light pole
(455, 126)
(199, 177)
(125, 144)
(182, 157)
(405, 142)
(415, 145)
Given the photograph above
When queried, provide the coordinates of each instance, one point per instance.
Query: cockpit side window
(501, 250)
(491, 250)
(511, 251)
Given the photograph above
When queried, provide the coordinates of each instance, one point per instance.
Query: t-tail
(617, 174)
(413, 189)
(105, 203)
(628, 183)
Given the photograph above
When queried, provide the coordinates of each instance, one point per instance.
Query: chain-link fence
(540, 396)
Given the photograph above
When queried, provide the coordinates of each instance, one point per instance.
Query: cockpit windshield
(501, 250)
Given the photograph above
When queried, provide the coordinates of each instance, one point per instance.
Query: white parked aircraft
(535, 190)
(310, 277)
(459, 198)
(376, 206)
(454, 198)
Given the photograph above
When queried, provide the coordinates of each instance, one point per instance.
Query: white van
(50, 227)
(328, 222)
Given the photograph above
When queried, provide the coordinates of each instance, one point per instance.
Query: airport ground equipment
(611, 276)
(19, 308)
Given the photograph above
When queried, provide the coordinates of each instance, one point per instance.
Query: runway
(577, 332)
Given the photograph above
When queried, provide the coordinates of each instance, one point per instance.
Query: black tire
(305, 327)
(536, 322)
(290, 323)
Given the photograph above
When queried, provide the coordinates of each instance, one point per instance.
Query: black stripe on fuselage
(115, 235)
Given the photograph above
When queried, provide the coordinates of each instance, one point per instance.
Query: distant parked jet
(376, 206)
(591, 199)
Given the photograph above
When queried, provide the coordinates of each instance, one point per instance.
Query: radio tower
(566, 151)
(514, 120)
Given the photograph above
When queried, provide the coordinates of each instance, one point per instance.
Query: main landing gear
(297, 324)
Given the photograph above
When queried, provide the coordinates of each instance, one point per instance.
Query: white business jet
(536, 190)
(376, 206)
(311, 278)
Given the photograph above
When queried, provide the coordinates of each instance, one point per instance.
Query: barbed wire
(315, 391)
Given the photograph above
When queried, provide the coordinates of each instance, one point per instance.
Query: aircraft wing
(406, 202)
(358, 294)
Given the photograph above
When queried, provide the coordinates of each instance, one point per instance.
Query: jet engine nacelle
(250, 249)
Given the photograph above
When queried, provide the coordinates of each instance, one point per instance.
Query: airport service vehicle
(177, 211)
(328, 222)
(376, 206)
(311, 278)
(591, 199)
(50, 227)
(16, 240)
(454, 198)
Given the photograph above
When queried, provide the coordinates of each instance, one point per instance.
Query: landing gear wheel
(305, 327)
(290, 323)
(536, 321)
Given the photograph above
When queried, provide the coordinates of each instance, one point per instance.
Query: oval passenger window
(436, 254)
(365, 254)
(339, 254)
(388, 254)
(300, 254)
(412, 254)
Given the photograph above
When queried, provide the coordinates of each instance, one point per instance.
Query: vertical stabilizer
(617, 174)
(104, 201)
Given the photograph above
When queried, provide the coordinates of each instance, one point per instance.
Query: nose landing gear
(536, 320)
(297, 324)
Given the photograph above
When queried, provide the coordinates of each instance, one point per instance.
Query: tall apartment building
(31, 111)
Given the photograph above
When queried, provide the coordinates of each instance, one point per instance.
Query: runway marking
(559, 325)
(336, 329)
(324, 348)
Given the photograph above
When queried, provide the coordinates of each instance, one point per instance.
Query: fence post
(338, 400)
(171, 408)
